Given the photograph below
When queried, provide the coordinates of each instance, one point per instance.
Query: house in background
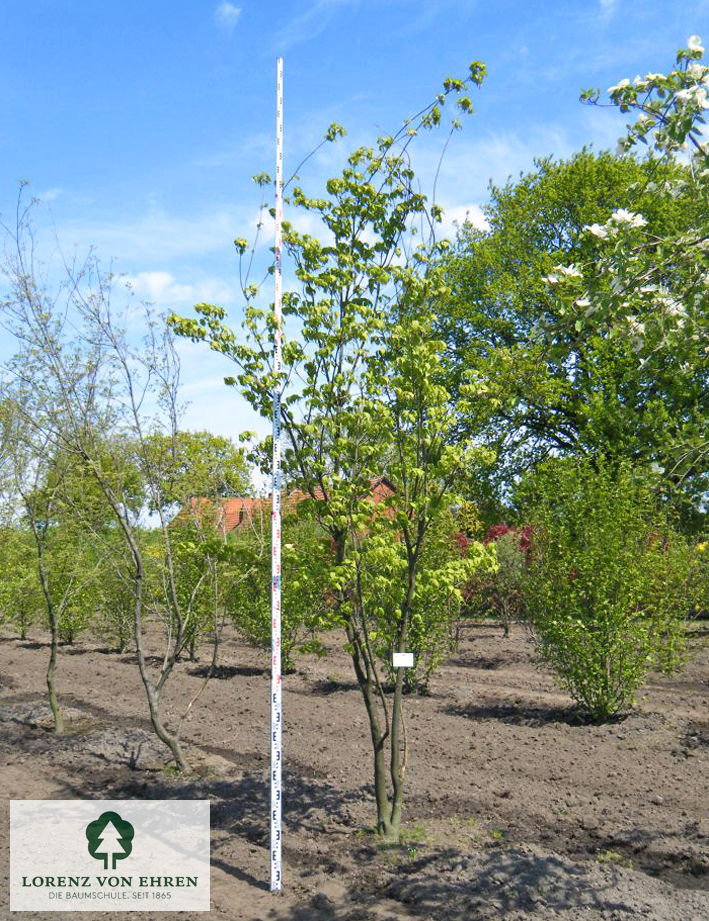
(231, 513)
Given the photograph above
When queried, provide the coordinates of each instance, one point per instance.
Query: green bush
(609, 585)
(307, 603)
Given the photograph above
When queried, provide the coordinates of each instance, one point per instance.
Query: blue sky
(140, 123)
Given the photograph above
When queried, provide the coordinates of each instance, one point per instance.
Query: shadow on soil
(489, 884)
(239, 807)
(224, 672)
(487, 663)
(521, 715)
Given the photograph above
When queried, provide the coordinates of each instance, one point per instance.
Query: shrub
(307, 601)
(609, 584)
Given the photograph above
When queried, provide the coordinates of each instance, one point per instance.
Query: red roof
(230, 513)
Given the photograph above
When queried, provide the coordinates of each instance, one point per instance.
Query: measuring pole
(276, 687)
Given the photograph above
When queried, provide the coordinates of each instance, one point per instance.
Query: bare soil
(516, 810)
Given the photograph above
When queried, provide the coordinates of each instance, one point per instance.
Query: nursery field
(514, 810)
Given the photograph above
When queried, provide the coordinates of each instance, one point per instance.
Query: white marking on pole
(403, 659)
(276, 687)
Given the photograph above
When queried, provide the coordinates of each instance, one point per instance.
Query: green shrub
(609, 584)
(307, 602)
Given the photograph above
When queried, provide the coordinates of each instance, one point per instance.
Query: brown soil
(515, 809)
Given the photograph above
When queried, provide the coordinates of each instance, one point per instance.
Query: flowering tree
(548, 376)
(645, 291)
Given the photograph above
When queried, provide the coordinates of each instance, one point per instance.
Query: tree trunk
(161, 732)
(388, 827)
(397, 763)
(165, 736)
(51, 671)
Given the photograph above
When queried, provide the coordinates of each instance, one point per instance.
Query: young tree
(63, 561)
(364, 397)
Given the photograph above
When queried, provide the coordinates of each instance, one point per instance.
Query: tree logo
(110, 839)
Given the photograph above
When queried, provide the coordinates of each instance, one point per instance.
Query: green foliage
(185, 464)
(469, 520)
(610, 581)
(375, 577)
(562, 373)
(21, 601)
(307, 601)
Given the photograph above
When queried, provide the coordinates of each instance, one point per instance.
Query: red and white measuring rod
(276, 685)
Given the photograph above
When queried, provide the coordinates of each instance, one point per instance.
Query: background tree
(21, 601)
(307, 599)
(637, 294)
(550, 375)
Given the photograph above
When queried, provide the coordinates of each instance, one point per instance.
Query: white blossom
(693, 95)
(697, 70)
(621, 216)
(619, 86)
(694, 43)
(597, 230)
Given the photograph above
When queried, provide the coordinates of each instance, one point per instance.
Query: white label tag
(109, 855)
(403, 660)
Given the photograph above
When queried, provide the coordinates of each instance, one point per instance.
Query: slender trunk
(53, 635)
(165, 736)
(398, 758)
(51, 671)
(153, 694)
(387, 830)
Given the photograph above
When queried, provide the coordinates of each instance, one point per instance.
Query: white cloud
(227, 15)
(156, 235)
(164, 290)
(470, 164)
(608, 9)
(208, 403)
(456, 216)
(310, 24)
